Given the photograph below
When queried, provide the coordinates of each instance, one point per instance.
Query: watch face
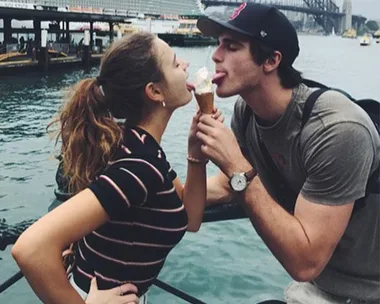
(238, 182)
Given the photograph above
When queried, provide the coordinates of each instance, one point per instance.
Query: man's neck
(268, 101)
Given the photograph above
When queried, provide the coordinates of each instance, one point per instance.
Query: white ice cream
(202, 81)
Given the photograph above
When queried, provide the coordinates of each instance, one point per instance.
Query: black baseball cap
(260, 22)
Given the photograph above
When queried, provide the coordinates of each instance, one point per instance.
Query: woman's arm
(193, 194)
(194, 191)
(38, 251)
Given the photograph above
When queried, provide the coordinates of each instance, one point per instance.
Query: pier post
(37, 31)
(91, 36)
(86, 55)
(111, 32)
(68, 32)
(7, 25)
(43, 56)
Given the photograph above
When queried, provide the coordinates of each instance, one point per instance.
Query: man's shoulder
(239, 108)
(333, 107)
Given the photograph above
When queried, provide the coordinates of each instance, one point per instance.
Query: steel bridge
(326, 13)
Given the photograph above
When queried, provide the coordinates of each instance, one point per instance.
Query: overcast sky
(368, 8)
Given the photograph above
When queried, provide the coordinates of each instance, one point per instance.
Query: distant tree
(372, 25)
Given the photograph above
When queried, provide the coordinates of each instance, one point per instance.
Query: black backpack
(283, 192)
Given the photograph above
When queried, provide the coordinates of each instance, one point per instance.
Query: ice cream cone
(205, 102)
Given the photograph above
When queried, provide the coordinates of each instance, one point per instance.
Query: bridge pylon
(324, 19)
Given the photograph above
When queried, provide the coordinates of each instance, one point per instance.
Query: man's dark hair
(289, 76)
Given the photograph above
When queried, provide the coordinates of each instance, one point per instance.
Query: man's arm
(303, 243)
(218, 189)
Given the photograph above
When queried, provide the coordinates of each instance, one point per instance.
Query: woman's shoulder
(154, 161)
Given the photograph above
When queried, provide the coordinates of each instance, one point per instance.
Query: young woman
(130, 209)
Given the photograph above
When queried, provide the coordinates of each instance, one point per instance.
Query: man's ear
(154, 92)
(273, 62)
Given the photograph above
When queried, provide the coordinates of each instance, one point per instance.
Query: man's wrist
(241, 176)
(241, 167)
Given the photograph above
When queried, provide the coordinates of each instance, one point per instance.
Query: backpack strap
(284, 193)
(309, 104)
(246, 117)
(283, 190)
(314, 84)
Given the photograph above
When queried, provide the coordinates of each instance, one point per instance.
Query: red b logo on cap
(238, 11)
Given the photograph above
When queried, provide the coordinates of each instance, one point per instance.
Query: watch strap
(250, 174)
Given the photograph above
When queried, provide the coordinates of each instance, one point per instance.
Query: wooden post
(7, 25)
(91, 36)
(68, 32)
(111, 32)
(37, 31)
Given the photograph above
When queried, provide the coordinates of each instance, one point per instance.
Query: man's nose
(216, 57)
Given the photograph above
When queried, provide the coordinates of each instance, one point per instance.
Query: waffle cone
(205, 102)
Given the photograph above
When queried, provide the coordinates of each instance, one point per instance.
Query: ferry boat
(187, 34)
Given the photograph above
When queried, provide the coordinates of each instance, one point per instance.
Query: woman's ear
(273, 62)
(154, 92)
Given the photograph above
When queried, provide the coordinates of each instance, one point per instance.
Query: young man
(330, 248)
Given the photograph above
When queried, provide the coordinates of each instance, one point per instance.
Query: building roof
(46, 15)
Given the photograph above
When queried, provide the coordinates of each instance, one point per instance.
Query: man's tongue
(218, 77)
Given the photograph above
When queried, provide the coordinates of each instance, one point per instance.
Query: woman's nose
(184, 64)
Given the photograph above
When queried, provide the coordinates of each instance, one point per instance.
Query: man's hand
(220, 145)
(112, 296)
(194, 144)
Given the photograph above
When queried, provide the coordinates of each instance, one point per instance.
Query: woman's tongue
(190, 86)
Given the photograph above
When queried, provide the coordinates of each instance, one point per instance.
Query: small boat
(365, 40)
(377, 36)
(351, 33)
(20, 56)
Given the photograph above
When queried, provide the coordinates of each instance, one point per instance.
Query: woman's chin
(189, 96)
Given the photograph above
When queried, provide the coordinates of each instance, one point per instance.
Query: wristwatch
(240, 181)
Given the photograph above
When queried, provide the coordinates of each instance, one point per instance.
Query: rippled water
(224, 262)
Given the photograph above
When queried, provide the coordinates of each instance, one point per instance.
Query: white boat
(365, 40)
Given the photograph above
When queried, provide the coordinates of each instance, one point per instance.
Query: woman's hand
(194, 144)
(112, 296)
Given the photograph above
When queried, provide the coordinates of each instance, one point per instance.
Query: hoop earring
(163, 104)
(102, 91)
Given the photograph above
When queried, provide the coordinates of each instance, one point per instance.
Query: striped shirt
(147, 217)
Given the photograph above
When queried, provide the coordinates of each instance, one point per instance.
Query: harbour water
(224, 262)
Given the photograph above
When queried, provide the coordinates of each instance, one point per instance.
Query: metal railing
(10, 233)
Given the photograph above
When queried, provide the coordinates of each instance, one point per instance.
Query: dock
(39, 54)
(63, 63)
